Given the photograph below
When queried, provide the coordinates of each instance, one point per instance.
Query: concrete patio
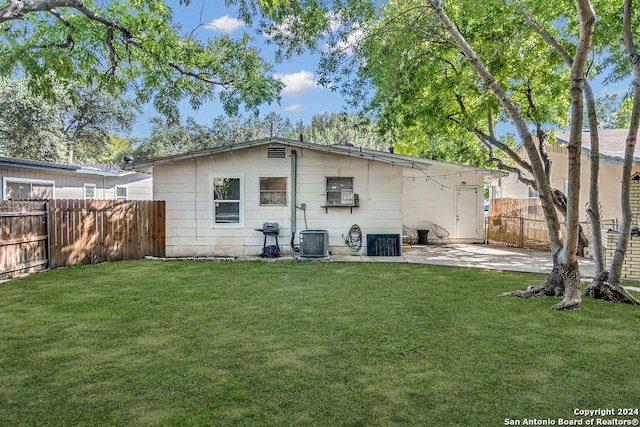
(491, 257)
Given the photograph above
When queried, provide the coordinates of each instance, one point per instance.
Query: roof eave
(349, 151)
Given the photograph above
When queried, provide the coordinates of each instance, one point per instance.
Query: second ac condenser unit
(314, 244)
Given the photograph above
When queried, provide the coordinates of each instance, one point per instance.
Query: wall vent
(383, 245)
(276, 152)
(314, 244)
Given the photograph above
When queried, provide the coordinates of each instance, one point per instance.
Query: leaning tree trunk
(599, 287)
(555, 283)
(572, 297)
(566, 258)
(611, 289)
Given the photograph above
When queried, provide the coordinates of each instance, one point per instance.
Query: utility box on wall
(384, 244)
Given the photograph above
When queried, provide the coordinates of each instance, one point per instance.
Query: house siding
(189, 227)
(429, 197)
(70, 185)
(609, 182)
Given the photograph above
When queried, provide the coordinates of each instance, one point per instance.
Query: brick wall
(631, 265)
(634, 199)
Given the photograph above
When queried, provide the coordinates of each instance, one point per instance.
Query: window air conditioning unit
(314, 244)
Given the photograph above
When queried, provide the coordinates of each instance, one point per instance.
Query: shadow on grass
(202, 343)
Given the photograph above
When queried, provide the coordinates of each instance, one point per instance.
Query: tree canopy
(168, 138)
(76, 125)
(132, 45)
(453, 68)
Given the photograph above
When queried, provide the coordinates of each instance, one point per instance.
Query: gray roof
(102, 170)
(612, 143)
(347, 150)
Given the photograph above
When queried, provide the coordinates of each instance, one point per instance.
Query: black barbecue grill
(270, 229)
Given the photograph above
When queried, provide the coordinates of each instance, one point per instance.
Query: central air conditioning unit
(314, 244)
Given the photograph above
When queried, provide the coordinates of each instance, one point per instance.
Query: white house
(24, 179)
(218, 200)
(612, 146)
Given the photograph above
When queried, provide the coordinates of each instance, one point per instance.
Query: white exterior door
(467, 218)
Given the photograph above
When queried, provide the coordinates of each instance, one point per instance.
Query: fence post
(521, 232)
(48, 221)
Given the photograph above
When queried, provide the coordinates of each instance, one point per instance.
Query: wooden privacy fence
(517, 222)
(58, 233)
(24, 237)
(518, 232)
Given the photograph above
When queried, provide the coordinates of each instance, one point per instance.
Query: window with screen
(28, 190)
(226, 201)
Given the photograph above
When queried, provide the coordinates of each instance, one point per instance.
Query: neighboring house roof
(612, 144)
(346, 150)
(102, 170)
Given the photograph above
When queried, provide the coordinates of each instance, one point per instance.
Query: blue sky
(301, 98)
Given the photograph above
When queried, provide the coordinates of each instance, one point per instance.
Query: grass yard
(255, 343)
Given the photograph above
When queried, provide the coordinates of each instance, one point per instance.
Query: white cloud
(347, 46)
(225, 24)
(334, 21)
(293, 108)
(297, 84)
(282, 30)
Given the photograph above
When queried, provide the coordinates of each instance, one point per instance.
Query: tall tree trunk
(593, 211)
(568, 259)
(69, 151)
(565, 274)
(600, 287)
(612, 289)
(538, 170)
(615, 272)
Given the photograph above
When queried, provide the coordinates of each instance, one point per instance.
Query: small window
(533, 194)
(496, 192)
(28, 190)
(226, 200)
(121, 193)
(273, 191)
(339, 191)
(89, 191)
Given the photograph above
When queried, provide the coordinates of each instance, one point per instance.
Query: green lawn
(256, 343)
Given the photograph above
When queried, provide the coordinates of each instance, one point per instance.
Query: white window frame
(8, 179)
(115, 192)
(212, 201)
(286, 185)
(84, 191)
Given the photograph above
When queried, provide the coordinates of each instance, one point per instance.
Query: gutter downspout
(294, 201)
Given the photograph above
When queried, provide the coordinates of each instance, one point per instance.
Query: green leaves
(133, 45)
(72, 124)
